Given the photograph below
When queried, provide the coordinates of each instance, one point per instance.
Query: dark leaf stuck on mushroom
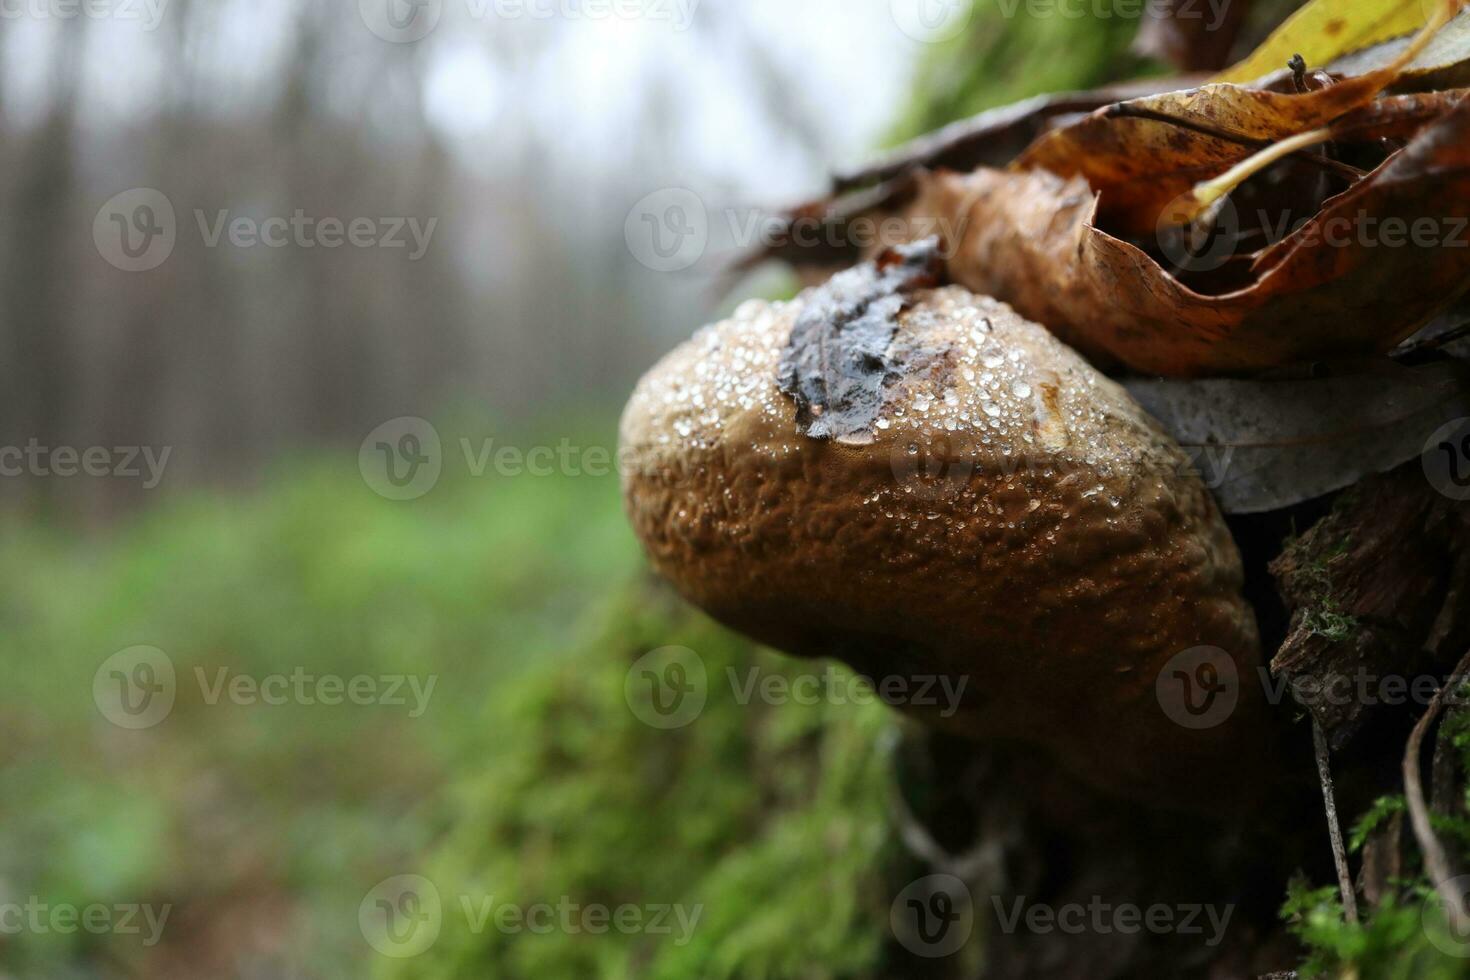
(837, 361)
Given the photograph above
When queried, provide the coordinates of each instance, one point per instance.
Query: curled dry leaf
(997, 136)
(1144, 155)
(1334, 289)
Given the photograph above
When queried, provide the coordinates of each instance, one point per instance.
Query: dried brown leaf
(1032, 239)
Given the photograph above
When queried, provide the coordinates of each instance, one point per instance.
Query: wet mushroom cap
(1008, 516)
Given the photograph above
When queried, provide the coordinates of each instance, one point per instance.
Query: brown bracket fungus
(915, 480)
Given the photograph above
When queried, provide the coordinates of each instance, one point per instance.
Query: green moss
(1406, 938)
(1323, 614)
(1002, 59)
(1330, 624)
(770, 820)
(1383, 808)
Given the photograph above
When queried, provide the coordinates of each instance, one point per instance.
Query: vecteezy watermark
(145, 463)
(401, 916)
(1212, 12)
(1201, 688)
(137, 230)
(934, 916)
(932, 21)
(1201, 245)
(147, 13)
(404, 915)
(401, 21)
(136, 688)
(1213, 238)
(404, 458)
(302, 230)
(1100, 917)
(300, 687)
(566, 458)
(938, 21)
(1441, 925)
(836, 686)
(670, 230)
(39, 917)
(669, 687)
(940, 465)
(407, 21)
(1447, 459)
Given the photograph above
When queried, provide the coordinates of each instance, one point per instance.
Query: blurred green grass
(246, 813)
(528, 778)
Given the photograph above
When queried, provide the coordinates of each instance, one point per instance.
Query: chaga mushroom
(915, 480)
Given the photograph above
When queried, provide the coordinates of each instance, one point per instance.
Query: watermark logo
(39, 917)
(306, 689)
(1203, 244)
(940, 466)
(401, 21)
(668, 230)
(148, 13)
(1447, 459)
(936, 469)
(401, 917)
(667, 688)
(944, 693)
(1442, 925)
(1100, 917)
(1212, 12)
(144, 463)
(306, 231)
(934, 916)
(135, 231)
(135, 688)
(1199, 687)
(402, 458)
(932, 21)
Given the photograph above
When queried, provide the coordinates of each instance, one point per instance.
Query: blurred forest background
(263, 550)
(526, 140)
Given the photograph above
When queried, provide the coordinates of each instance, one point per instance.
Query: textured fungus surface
(1015, 520)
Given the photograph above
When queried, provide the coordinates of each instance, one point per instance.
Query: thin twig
(1334, 828)
(1436, 861)
(1450, 336)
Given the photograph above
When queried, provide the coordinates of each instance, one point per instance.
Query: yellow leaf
(1325, 30)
